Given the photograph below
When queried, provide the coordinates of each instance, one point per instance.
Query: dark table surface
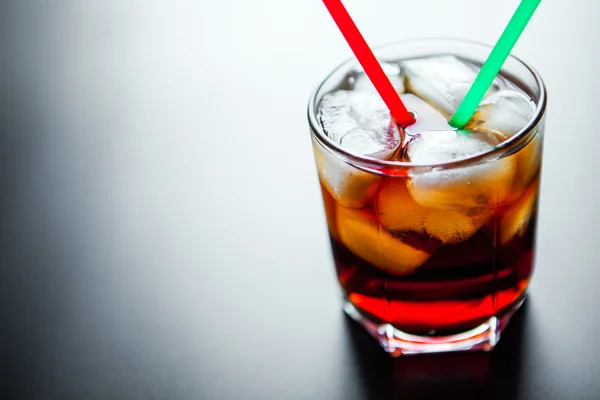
(162, 232)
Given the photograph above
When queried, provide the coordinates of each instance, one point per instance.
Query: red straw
(369, 63)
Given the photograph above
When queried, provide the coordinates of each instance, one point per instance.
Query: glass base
(398, 343)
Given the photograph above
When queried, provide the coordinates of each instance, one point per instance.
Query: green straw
(492, 65)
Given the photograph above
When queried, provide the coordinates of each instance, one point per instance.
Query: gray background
(162, 231)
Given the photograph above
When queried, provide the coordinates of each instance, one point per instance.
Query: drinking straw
(369, 63)
(492, 65)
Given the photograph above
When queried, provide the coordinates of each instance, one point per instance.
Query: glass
(418, 296)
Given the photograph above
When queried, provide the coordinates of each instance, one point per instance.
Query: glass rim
(369, 163)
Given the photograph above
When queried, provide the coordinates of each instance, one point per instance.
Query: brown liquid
(458, 287)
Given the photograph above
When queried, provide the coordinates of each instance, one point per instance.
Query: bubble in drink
(442, 81)
(360, 123)
(359, 81)
(463, 188)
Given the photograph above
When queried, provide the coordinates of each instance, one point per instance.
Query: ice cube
(358, 80)
(454, 226)
(428, 118)
(516, 219)
(398, 211)
(463, 188)
(330, 213)
(507, 112)
(361, 233)
(441, 81)
(360, 123)
(529, 160)
(349, 186)
(396, 208)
